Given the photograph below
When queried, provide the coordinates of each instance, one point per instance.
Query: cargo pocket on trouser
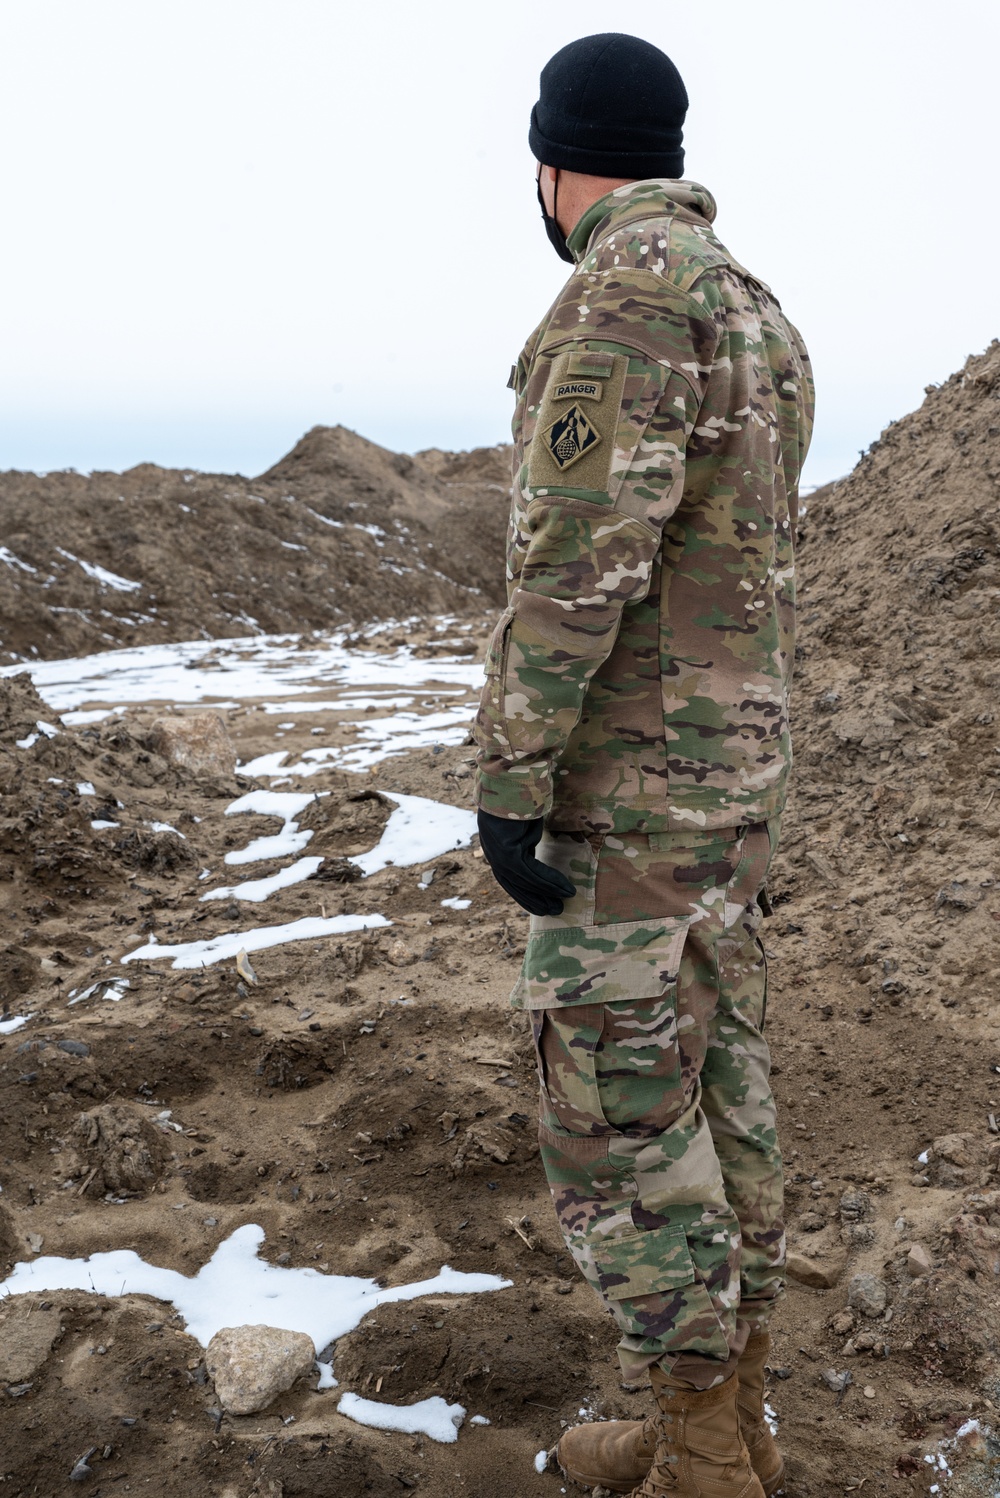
(669, 1295)
(604, 1002)
(610, 1068)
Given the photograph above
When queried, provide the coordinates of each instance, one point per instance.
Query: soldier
(634, 730)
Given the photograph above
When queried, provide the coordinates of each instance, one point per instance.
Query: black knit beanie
(610, 106)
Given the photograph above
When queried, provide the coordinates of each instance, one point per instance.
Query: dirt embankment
(375, 1136)
(339, 532)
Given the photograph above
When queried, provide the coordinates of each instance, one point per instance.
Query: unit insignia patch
(570, 437)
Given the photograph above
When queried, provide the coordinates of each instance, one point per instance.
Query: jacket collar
(636, 202)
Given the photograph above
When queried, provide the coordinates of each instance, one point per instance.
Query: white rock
(251, 1365)
(197, 742)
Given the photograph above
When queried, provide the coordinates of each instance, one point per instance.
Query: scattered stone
(956, 897)
(34, 1242)
(869, 1392)
(855, 1206)
(811, 1222)
(74, 1047)
(252, 1365)
(836, 1382)
(81, 1471)
(918, 1261)
(955, 1148)
(198, 742)
(843, 1323)
(813, 1273)
(400, 955)
(857, 1235)
(868, 1294)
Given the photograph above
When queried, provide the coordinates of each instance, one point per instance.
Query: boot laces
(663, 1476)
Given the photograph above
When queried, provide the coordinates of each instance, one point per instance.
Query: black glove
(509, 849)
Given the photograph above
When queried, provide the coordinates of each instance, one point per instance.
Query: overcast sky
(226, 221)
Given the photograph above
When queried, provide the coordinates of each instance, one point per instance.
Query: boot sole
(771, 1488)
(596, 1482)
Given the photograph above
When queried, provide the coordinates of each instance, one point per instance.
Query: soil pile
(340, 531)
(370, 1101)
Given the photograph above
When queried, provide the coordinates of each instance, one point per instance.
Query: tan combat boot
(699, 1450)
(612, 1454)
(764, 1454)
(617, 1454)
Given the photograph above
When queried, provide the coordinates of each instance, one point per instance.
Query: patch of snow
(236, 1288)
(91, 715)
(456, 904)
(8, 1026)
(7, 556)
(166, 827)
(379, 739)
(261, 667)
(416, 832)
(264, 764)
(326, 1379)
(115, 990)
(101, 574)
(100, 825)
(429, 1417)
(41, 729)
(480, 1420)
(189, 954)
(262, 889)
(541, 1462)
(284, 804)
(923, 1159)
(85, 788)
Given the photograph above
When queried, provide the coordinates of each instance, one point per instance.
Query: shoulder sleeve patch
(583, 362)
(578, 420)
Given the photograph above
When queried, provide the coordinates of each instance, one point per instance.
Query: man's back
(664, 409)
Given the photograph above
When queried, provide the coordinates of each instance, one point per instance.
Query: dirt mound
(369, 1100)
(340, 531)
(895, 803)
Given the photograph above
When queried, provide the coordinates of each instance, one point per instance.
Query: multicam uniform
(637, 698)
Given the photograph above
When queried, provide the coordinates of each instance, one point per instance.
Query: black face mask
(557, 238)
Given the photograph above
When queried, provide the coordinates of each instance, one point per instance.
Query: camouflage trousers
(657, 1128)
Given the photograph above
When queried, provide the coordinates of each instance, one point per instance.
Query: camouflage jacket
(639, 679)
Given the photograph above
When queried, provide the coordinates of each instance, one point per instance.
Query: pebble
(918, 1261)
(869, 1392)
(81, 1471)
(868, 1294)
(811, 1272)
(74, 1048)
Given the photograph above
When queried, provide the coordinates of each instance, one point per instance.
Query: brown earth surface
(340, 531)
(385, 1139)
